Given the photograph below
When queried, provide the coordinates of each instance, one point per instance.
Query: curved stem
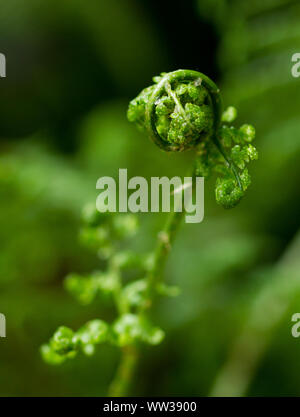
(122, 380)
(130, 354)
(228, 160)
(165, 240)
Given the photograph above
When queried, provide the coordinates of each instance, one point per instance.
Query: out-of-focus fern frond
(280, 286)
(257, 41)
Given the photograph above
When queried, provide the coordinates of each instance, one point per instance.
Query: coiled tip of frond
(183, 110)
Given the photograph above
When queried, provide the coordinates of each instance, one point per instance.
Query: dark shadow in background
(56, 78)
(192, 43)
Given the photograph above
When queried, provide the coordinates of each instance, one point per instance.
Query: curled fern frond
(179, 111)
(183, 110)
(65, 343)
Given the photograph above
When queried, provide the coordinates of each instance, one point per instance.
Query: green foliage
(102, 231)
(65, 343)
(131, 326)
(236, 143)
(224, 268)
(183, 108)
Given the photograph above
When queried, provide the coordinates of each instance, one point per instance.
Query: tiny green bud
(93, 333)
(252, 152)
(246, 179)
(62, 341)
(248, 132)
(126, 329)
(134, 293)
(130, 328)
(228, 194)
(229, 115)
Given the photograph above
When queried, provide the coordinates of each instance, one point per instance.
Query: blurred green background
(72, 67)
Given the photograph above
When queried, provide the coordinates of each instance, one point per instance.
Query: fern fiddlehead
(181, 111)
